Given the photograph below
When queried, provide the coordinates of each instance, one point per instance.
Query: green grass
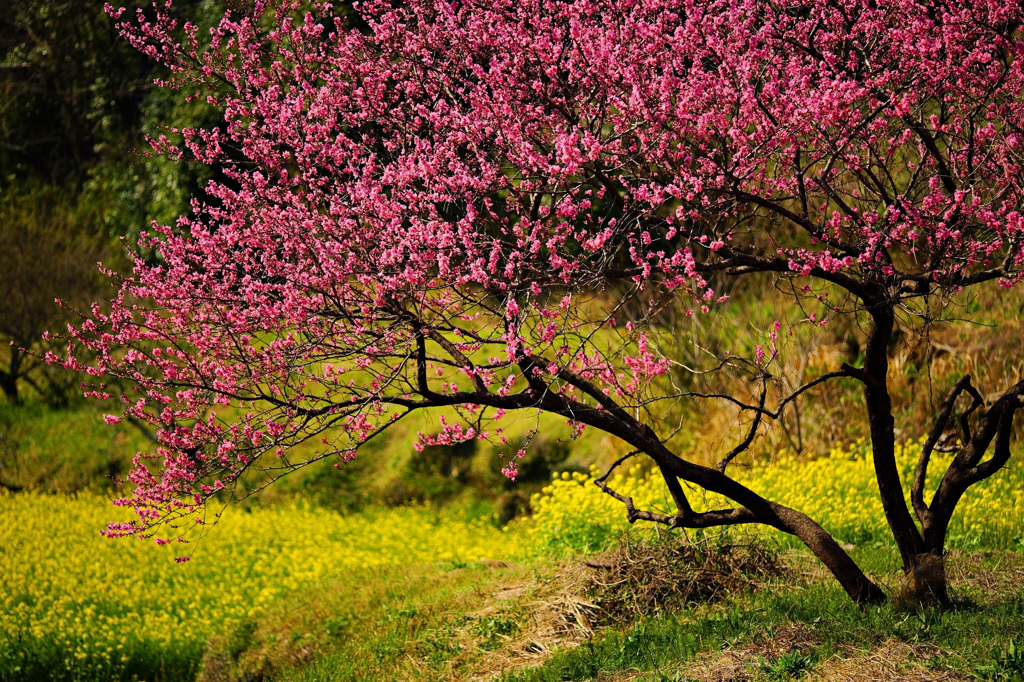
(371, 625)
(422, 623)
(453, 622)
(64, 451)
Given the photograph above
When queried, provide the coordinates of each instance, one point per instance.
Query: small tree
(451, 204)
(46, 252)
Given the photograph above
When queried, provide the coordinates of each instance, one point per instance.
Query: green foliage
(47, 251)
(77, 105)
(544, 456)
(494, 630)
(71, 90)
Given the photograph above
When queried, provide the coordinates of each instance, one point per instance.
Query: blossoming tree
(447, 204)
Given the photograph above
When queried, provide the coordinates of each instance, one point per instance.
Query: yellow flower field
(837, 490)
(74, 605)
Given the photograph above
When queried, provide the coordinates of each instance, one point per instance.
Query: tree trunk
(860, 588)
(925, 582)
(883, 440)
(9, 379)
(926, 576)
(754, 509)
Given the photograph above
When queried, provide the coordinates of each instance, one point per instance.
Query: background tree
(481, 207)
(46, 252)
(74, 103)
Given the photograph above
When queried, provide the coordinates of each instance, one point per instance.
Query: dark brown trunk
(883, 440)
(925, 582)
(939, 517)
(857, 585)
(755, 508)
(995, 429)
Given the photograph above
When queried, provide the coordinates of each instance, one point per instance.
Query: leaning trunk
(857, 585)
(860, 588)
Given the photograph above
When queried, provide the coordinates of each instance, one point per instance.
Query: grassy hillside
(80, 607)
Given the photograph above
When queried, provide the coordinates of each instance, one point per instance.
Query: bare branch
(917, 490)
(710, 519)
(745, 443)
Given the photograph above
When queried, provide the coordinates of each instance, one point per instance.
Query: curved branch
(709, 519)
(846, 371)
(967, 467)
(917, 489)
(731, 455)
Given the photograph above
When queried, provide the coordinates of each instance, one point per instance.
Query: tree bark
(857, 585)
(925, 581)
(995, 429)
(755, 509)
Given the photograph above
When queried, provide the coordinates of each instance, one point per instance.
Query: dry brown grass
(993, 572)
(551, 613)
(982, 334)
(744, 662)
(643, 578)
(563, 608)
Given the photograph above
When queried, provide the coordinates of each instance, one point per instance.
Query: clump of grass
(638, 579)
(1007, 662)
(495, 630)
(788, 666)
